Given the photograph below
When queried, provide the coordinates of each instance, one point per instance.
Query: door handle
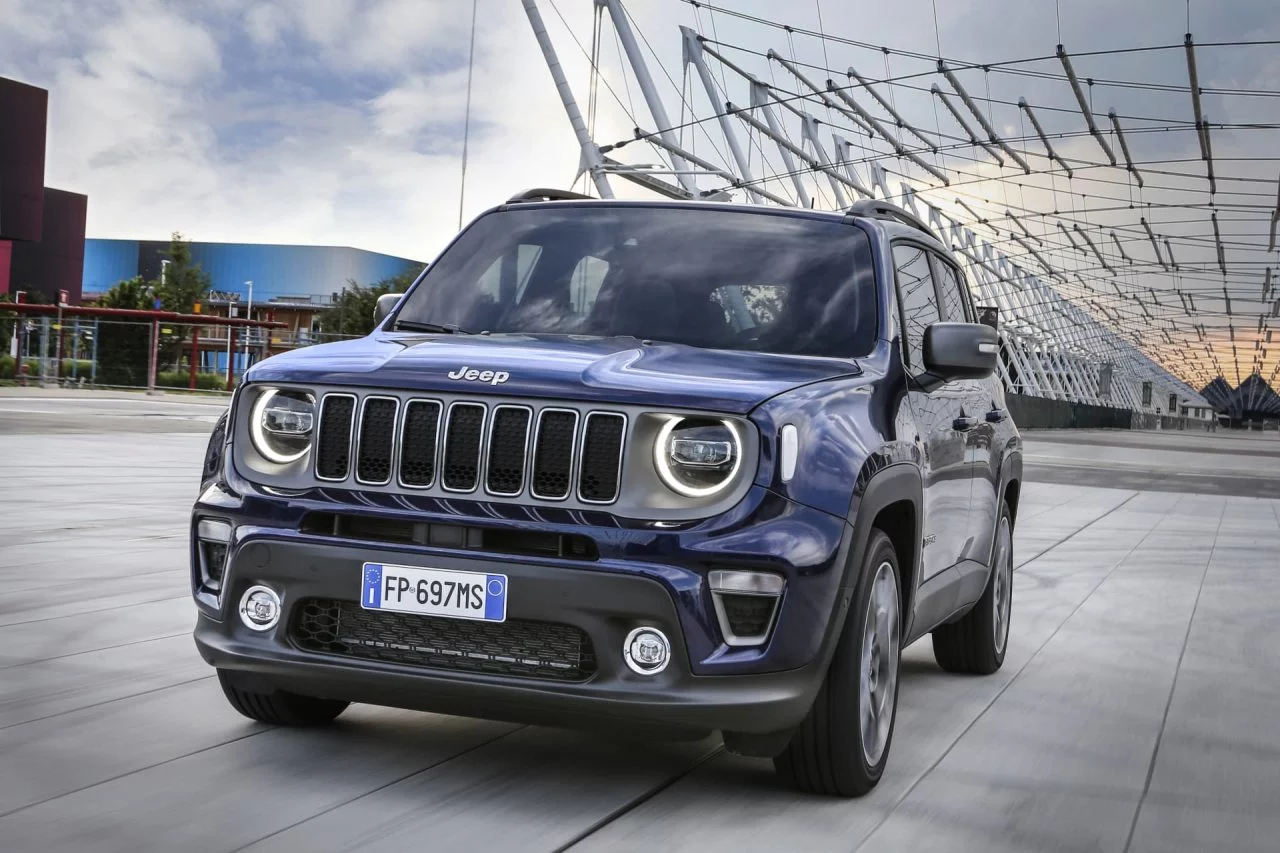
(995, 416)
(964, 424)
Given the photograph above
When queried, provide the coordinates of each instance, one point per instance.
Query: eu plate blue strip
(372, 595)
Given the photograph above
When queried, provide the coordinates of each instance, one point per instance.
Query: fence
(118, 353)
(1042, 413)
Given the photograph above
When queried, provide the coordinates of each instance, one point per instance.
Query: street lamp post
(248, 329)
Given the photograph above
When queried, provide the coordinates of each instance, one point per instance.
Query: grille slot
(462, 443)
(508, 449)
(553, 454)
(377, 436)
(518, 648)
(418, 443)
(333, 444)
(601, 457)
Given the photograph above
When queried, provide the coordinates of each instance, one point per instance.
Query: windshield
(721, 279)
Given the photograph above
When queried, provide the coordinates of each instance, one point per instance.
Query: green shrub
(82, 368)
(181, 379)
(7, 363)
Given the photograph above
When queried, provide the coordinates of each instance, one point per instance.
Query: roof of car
(892, 227)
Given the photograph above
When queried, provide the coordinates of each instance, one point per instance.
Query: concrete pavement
(1136, 709)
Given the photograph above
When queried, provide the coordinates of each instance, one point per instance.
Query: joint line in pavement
(1164, 720)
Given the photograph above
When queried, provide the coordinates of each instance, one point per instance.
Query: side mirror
(386, 304)
(959, 351)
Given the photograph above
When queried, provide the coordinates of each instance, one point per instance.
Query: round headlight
(281, 424)
(698, 457)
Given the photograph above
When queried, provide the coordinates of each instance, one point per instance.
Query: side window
(916, 298)
(954, 305)
(584, 283)
(508, 275)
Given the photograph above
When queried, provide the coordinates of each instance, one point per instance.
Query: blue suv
(666, 467)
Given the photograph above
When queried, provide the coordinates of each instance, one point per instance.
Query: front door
(980, 415)
(938, 413)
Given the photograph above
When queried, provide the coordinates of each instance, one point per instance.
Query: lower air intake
(517, 648)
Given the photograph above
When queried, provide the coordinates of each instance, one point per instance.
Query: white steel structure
(1077, 318)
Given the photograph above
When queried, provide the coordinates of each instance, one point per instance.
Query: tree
(352, 311)
(135, 293)
(182, 282)
(7, 319)
(124, 346)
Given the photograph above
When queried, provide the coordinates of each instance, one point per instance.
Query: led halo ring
(259, 438)
(664, 469)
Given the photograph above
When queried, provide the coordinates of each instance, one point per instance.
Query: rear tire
(976, 643)
(280, 708)
(842, 746)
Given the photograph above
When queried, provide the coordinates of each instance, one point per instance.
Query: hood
(617, 370)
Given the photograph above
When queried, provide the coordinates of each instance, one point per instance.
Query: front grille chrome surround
(376, 444)
(333, 440)
(601, 485)
(419, 444)
(549, 466)
(447, 446)
(466, 465)
(501, 464)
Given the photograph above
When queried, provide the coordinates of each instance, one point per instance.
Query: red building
(41, 229)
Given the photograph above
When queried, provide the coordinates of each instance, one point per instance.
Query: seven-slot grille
(468, 446)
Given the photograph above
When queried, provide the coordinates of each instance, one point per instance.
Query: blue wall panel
(107, 262)
(275, 270)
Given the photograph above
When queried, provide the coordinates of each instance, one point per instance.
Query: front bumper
(605, 606)
(646, 576)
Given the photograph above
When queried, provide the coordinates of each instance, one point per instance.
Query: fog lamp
(647, 651)
(260, 608)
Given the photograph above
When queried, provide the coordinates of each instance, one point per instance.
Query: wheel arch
(893, 497)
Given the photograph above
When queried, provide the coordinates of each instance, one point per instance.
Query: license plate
(435, 592)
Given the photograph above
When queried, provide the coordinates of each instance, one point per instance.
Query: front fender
(883, 486)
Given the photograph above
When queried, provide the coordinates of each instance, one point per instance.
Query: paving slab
(1136, 709)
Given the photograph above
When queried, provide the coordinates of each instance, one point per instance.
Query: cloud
(340, 121)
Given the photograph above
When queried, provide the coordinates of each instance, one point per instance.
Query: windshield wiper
(440, 328)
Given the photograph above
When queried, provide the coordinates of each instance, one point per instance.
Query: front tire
(842, 746)
(280, 708)
(975, 644)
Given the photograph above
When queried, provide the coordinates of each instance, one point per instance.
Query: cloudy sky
(340, 121)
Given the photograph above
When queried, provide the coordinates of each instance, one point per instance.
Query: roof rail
(544, 194)
(877, 209)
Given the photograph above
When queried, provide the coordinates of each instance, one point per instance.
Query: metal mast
(592, 161)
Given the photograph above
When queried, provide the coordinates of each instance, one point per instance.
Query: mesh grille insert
(507, 442)
(601, 457)
(462, 446)
(333, 445)
(377, 432)
(519, 648)
(553, 456)
(418, 443)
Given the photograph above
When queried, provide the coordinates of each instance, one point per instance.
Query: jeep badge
(493, 377)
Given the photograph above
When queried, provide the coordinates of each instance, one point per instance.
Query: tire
(841, 748)
(976, 643)
(280, 708)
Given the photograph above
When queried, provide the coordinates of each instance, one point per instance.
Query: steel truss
(1050, 346)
